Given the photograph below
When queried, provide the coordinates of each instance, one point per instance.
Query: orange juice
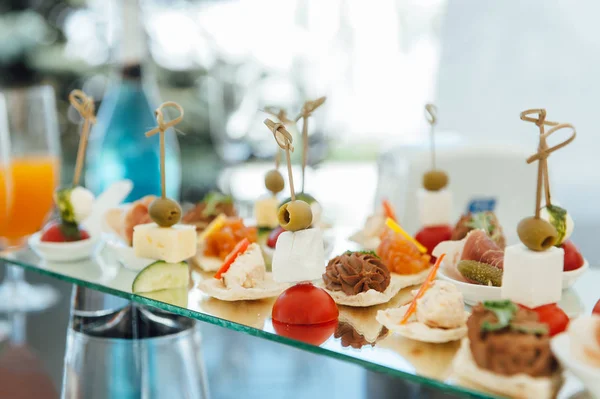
(32, 182)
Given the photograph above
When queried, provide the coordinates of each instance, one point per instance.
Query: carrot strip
(389, 222)
(239, 249)
(388, 210)
(430, 277)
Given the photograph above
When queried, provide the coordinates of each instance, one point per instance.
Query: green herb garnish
(558, 219)
(484, 221)
(530, 328)
(212, 200)
(372, 253)
(504, 311)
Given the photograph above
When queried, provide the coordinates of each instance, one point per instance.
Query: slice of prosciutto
(136, 214)
(475, 246)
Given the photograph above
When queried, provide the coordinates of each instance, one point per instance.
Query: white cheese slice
(265, 212)
(171, 244)
(435, 207)
(299, 256)
(532, 278)
(248, 269)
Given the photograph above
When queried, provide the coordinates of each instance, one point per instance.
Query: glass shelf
(358, 339)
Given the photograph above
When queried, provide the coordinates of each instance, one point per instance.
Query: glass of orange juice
(28, 177)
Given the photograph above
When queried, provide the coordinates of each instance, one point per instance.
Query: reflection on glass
(29, 175)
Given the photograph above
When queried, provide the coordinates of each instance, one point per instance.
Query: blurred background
(377, 63)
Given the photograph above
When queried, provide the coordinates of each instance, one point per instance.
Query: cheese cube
(265, 212)
(435, 207)
(532, 278)
(299, 256)
(171, 244)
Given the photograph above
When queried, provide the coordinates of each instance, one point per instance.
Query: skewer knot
(160, 119)
(84, 104)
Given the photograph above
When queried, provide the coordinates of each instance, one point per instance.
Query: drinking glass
(30, 174)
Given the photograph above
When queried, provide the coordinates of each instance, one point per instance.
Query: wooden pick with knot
(307, 109)
(85, 106)
(284, 141)
(431, 116)
(544, 151)
(281, 115)
(160, 129)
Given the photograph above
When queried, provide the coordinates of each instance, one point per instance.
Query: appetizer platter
(453, 306)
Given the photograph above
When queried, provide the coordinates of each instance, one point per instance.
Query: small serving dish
(589, 376)
(62, 251)
(475, 293)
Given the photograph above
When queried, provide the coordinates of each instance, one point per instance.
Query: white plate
(474, 293)
(589, 376)
(62, 251)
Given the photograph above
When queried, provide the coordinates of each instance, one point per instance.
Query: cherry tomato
(573, 258)
(431, 236)
(553, 316)
(596, 308)
(53, 233)
(314, 334)
(274, 235)
(304, 304)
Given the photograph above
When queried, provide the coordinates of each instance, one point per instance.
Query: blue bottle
(118, 148)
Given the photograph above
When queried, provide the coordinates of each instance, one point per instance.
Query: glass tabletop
(358, 338)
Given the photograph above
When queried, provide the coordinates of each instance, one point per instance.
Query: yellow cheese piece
(265, 212)
(171, 244)
(215, 225)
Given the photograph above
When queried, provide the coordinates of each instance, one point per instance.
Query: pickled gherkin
(480, 273)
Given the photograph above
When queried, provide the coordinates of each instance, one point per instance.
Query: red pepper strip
(239, 249)
(430, 277)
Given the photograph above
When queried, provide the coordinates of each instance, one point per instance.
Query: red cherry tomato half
(573, 258)
(304, 304)
(431, 236)
(553, 316)
(53, 233)
(596, 308)
(273, 236)
(314, 334)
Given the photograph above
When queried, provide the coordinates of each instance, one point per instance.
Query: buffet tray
(366, 345)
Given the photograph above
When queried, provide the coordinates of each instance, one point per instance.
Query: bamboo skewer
(543, 180)
(284, 141)
(85, 106)
(307, 109)
(160, 129)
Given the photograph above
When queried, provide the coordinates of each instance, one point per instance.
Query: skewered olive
(435, 180)
(537, 234)
(295, 215)
(164, 212)
(274, 181)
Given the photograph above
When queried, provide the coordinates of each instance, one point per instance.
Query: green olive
(435, 180)
(537, 234)
(295, 215)
(164, 212)
(274, 181)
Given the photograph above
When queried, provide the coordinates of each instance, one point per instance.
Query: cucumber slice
(161, 275)
(173, 296)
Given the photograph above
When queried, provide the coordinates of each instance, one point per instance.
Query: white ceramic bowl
(62, 251)
(569, 278)
(474, 293)
(589, 376)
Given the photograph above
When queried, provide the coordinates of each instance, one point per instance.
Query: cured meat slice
(480, 248)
